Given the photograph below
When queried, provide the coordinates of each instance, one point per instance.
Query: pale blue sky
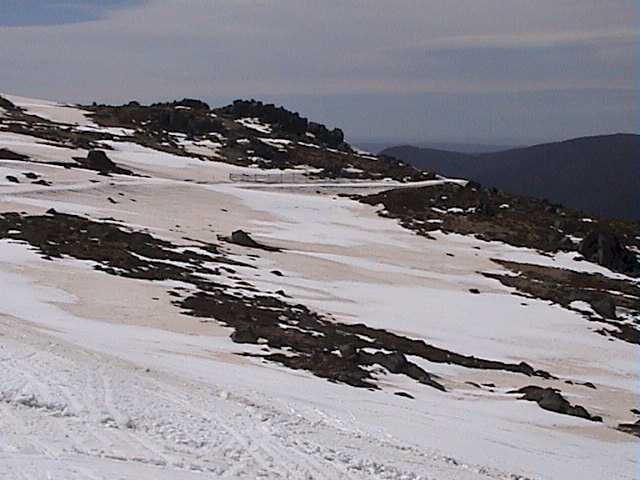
(56, 12)
(516, 71)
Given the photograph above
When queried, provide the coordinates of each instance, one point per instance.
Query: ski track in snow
(72, 413)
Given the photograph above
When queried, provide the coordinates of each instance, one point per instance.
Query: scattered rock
(310, 339)
(474, 290)
(42, 181)
(563, 287)
(404, 394)
(526, 223)
(584, 384)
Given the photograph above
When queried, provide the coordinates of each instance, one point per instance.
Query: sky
(481, 71)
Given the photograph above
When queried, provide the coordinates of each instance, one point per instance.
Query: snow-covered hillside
(347, 335)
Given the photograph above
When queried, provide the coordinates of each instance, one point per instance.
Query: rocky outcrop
(607, 249)
(299, 142)
(285, 121)
(188, 116)
(279, 117)
(551, 399)
(492, 214)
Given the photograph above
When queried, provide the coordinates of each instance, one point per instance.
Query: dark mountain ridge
(598, 174)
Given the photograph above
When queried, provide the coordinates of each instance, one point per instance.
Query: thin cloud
(220, 50)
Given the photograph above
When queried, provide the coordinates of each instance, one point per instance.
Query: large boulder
(605, 307)
(244, 334)
(607, 249)
(98, 160)
(240, 237)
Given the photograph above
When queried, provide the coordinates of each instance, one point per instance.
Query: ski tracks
(69, 413)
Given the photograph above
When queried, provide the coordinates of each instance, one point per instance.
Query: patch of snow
(278, 143)
(129, 153)
(52, 111)
(310, 145)
(39, 149)
(116, 131)
(254, 124)
(201, 147)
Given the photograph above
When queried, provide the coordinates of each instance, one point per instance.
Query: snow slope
(102, 377)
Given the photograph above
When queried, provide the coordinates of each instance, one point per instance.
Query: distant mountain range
(377, 146)
(600, 174)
